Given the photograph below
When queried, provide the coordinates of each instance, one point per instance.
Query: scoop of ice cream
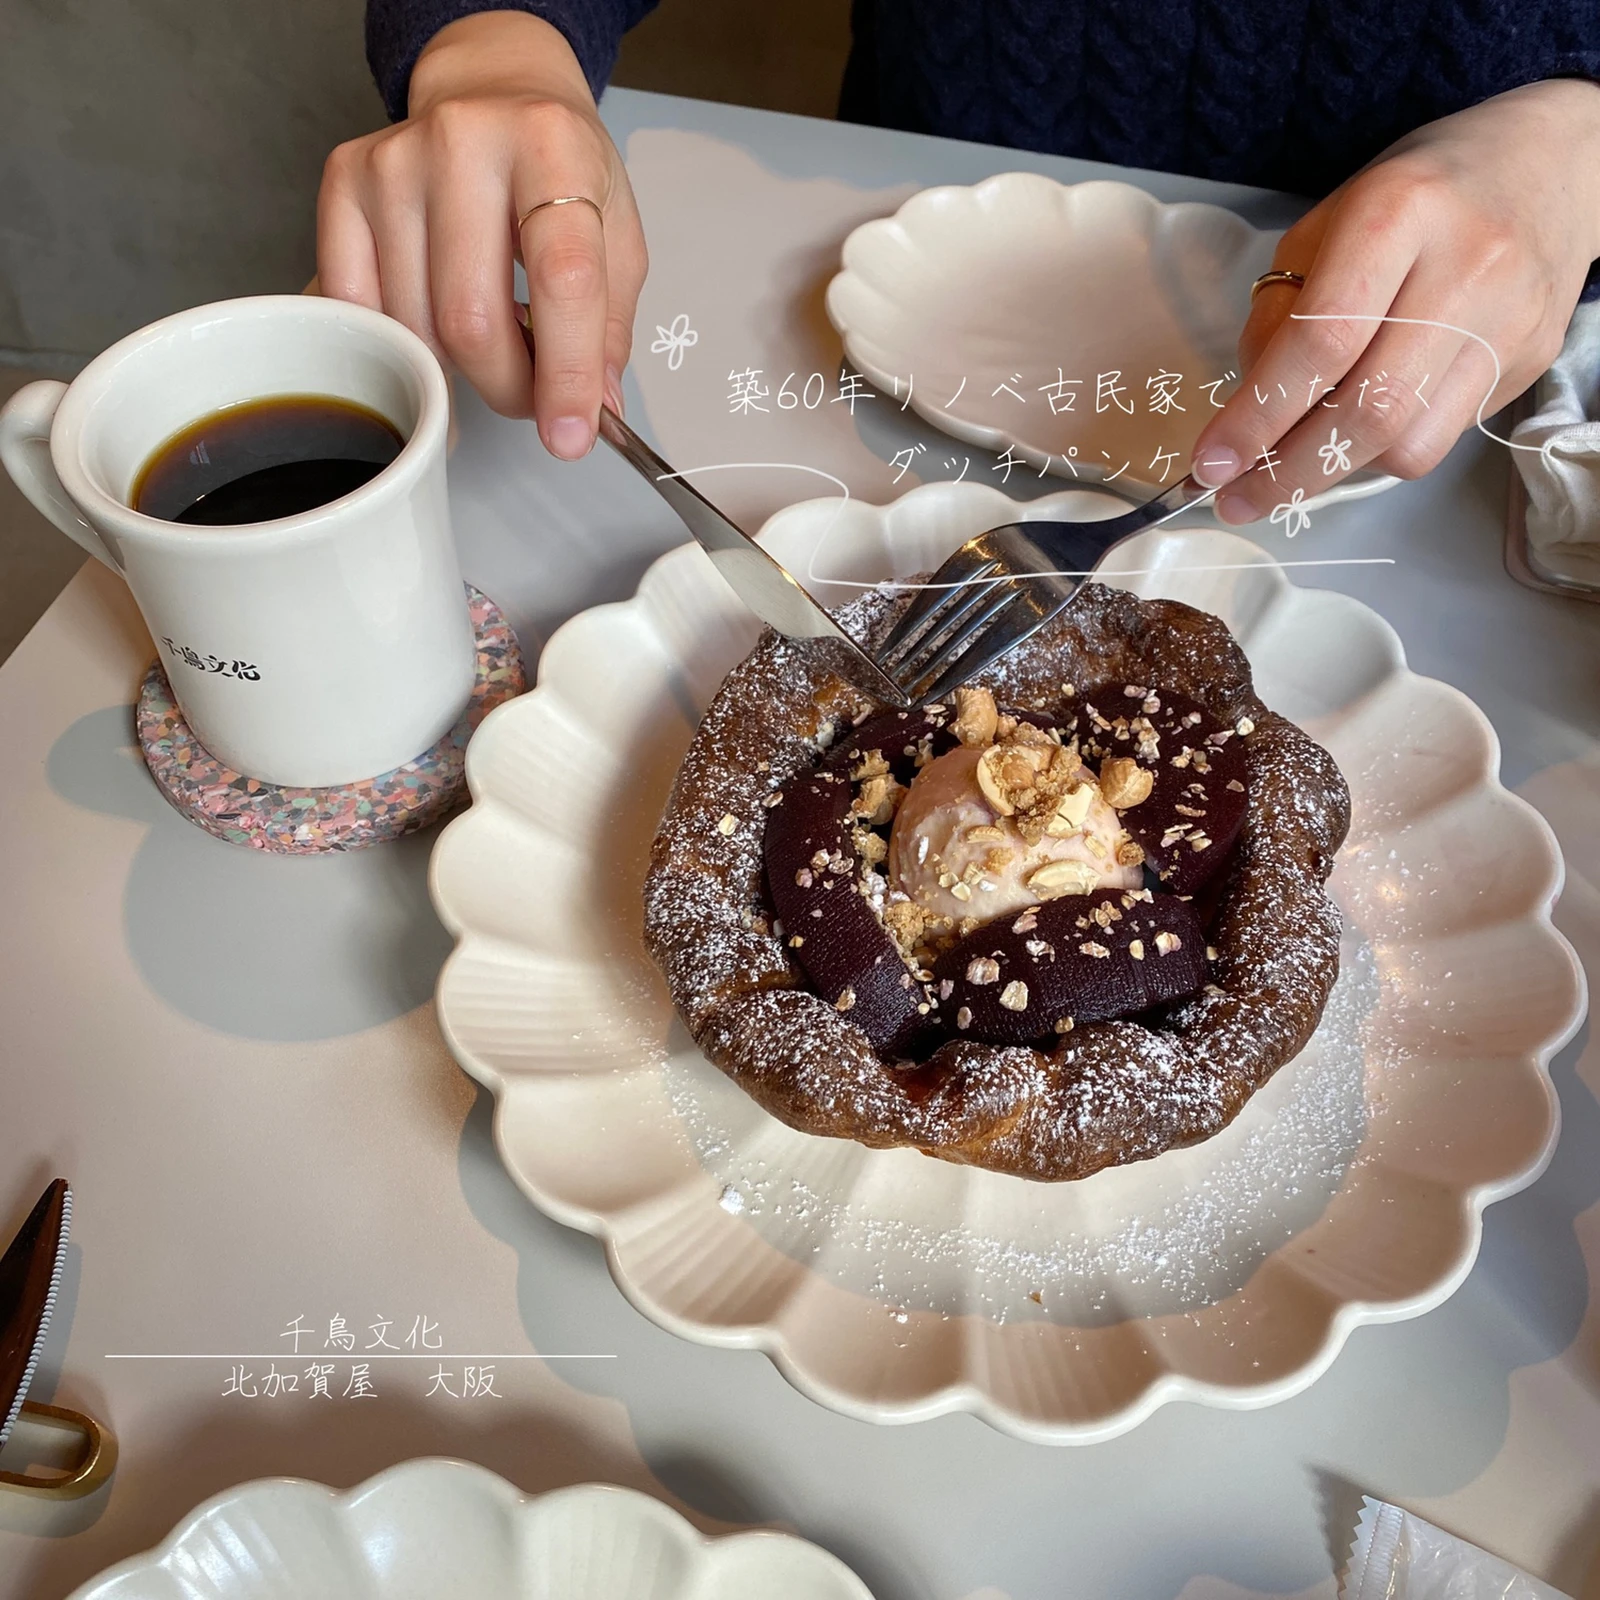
(955, 855)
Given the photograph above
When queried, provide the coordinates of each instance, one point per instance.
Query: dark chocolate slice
(1082, 958)
(829, 929)
(1188, 825)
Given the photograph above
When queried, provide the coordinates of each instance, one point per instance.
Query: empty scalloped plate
(1074, 323)
(893, 1286)
(448, 1530)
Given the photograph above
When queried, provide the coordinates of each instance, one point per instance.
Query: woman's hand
(1487, 220)
(421, 220)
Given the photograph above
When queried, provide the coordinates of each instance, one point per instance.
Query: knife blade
(758, 578)
(30, 1279)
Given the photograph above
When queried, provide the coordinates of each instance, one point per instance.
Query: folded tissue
(1560, 464)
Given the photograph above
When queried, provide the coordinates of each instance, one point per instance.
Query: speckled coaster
(304, 821)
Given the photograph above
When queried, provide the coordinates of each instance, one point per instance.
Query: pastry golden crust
(1107, 1092)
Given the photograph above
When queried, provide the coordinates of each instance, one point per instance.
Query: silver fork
(1004, 585)
(987, 597)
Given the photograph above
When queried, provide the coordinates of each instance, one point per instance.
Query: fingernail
(1236, 508)
(569, 438)
(614, 389)
(1217, 465)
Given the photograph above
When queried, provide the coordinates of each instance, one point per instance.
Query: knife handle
(96, 1463)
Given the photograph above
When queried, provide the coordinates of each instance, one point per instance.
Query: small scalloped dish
(1074, 323)
(435, 1529)
(893, 1286)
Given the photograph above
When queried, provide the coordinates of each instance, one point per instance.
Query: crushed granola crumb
(976, 716)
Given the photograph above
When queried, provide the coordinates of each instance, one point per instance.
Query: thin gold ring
(1293, 279)
(563, 200)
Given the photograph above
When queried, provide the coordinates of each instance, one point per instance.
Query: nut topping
(1057, 878)
(1071, 811)
(879, 799)
(1124, 782)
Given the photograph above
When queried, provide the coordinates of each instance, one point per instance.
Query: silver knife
(764, 584)
(30, 1278)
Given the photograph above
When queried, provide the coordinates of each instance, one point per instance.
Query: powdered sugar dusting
(1205, 1218)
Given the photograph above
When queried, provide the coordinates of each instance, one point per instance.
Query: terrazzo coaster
(306, 821)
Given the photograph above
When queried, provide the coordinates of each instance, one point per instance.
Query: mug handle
(25, 451)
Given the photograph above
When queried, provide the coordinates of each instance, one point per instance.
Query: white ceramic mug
(318, 649)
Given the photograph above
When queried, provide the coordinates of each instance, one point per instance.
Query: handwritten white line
(895, 587)
(812, 575)
(779, 466)
(358, 1355)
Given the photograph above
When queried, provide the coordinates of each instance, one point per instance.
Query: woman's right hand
(421, 220)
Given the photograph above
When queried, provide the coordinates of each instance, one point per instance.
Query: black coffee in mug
(265, 459)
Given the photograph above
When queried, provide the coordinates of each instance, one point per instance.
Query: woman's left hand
(1487, 220)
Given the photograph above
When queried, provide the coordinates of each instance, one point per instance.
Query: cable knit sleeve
(397, 30)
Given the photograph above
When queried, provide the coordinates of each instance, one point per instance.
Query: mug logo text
(244, 670)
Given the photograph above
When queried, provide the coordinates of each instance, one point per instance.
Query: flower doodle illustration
(1334, 455)
(1292, 514)
(672, 342)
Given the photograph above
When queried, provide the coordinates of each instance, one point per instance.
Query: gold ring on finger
(1277, 275)
(563, 200)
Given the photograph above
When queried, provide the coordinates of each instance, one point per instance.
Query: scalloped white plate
(447, 1530)
(892, 1286)
(1024, 281)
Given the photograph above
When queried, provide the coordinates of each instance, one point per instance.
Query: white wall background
(155, 154)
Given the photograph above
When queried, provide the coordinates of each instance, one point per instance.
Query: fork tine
(964, 566)
(979, 646)
(997, 602)
(967, 608)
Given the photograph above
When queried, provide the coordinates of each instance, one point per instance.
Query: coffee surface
(264, 460)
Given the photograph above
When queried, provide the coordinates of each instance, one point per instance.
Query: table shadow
(153, 1491)
(271, 947)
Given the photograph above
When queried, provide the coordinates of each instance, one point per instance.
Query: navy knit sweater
(1291, 94)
